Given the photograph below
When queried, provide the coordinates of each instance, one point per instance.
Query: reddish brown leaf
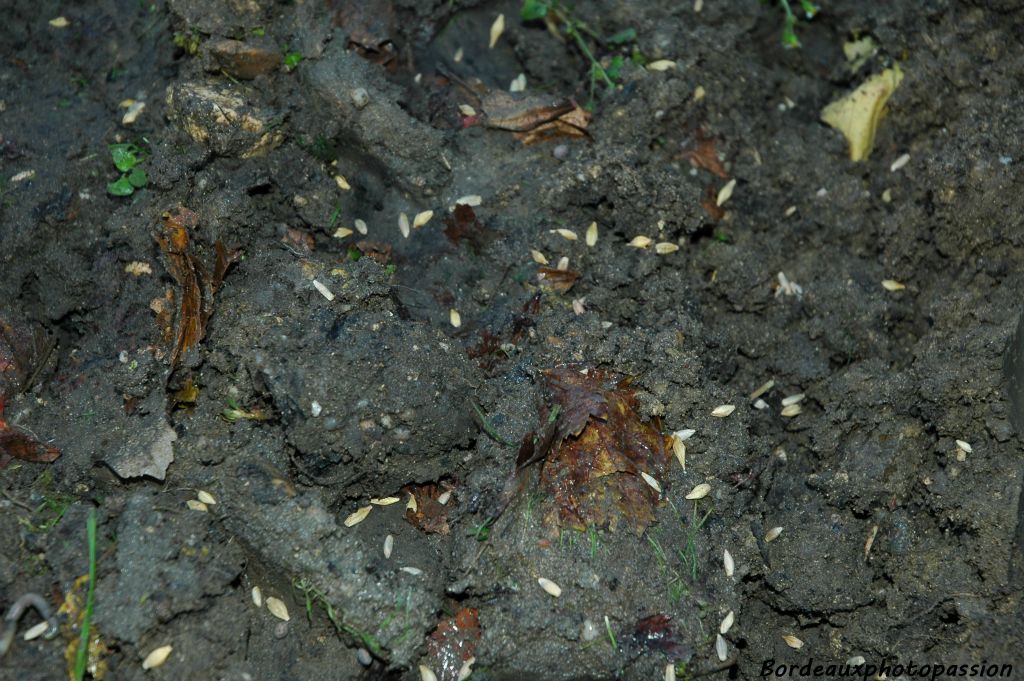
(573, 123)
(463, 224)
(657, 632)
(430, 515)
(223, 263)
(521, 113)
(15, 443)
(379, 251)
(370, 27)
(453, 642)
(560, 280)
(710, 204)
(702, 153)
(24, 350)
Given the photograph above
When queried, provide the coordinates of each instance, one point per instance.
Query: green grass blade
(82, 657)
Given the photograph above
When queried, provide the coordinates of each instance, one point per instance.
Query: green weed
(315, 597)
(789, 38)
(127, 158)
(82, 656)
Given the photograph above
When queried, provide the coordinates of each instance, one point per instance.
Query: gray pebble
(363, 657)
(360, 97)
(560, 151)
(589, 631)
(280, 630)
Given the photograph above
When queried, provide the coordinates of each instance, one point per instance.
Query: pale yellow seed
(723, 410)
(670, 672)
(566, 234)
(727, 623)
(357, 517)
(518, 83)
(454, 318)
(445, 497)
(205, 497)
(427, 674)
(699, 492)
(157, 657)
(773, 534)
(654, 484)
(869, 542)
(965, 446)
(791, 410)
(278, 609)
(592, 234)
(133, 113)
(549, 586)
(721, 648)
(196, 505)
(497, 28)
(422, 218)
(342, 182)
(389, 545)
(361, 226)
(679, 449)
(640, 242)
(467, 110)
(727, 563)
(661, 65)
(411, 505)
(472, 200)
(342, 232)
(466, 670)
(403, 224)
(892, 285)
(538, 257)
(790, 212)
(577, 306)
(36, 631)
(664, 248)
(59, 22)
(324, 291)
(726, 192)
(257, 597)
(793, 642)
(563, 263)
(699, 93)
(793, 399)
(765, 387)
(457, 57)
(384, 501)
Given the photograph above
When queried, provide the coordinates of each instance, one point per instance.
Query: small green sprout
(789, 38)
(235, 413)
(292, 59)
(127, 158)
(188, 41)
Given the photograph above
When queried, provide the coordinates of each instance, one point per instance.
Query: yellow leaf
(857, 114)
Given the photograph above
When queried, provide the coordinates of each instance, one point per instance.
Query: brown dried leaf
(464, 224)
(370, 27)
(24, 350)
(14, 443)
(430, 515)
(453, 642)
(710, 204)
(521, 113)
(379, 251)
(657, 632)
(243, 60)
(573, 123)
(560, 280)
(223, 263)
(701, 153)
(174, 241)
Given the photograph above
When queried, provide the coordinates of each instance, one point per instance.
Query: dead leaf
(559, 280)
(17, 444)
(463, 224)
(243, 60)
(370, 27)
(710, 203)
(573, 123)
(430, 515)
(378, 251)
(657, 632)
(25, 348)
(702, 153)
(454, 642)
(521, 113)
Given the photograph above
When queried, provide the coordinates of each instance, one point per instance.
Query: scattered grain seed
(869, 542)
(654, 484)
(472, 200)
(137, 268)
(133, 113)
(36, 631)
(723, 410)
(457, 57)
(497, 28)
(444, 497)
(518, 83)
(592, 234)
(205, 497)
(773, 534)
(727, 623)
(565, 233)
(640, 242)
(361, 226)
(411, 505)
(427, 674)
(422, 218)
(760, 404)
(342, 232)
(698, 5)
(965, 446)
(577, 306)
(685, 434)
(699, 492)
(765, 387)
(549, 586)
(899, 163)
(721, 648)
(791, 410)
(384, 501)
(563, 263)
(790, 212)
(727, 563)
(887, 196)
(403, 224)
(679, 449)
(454, 318)
(389, 545)
(157, 657)
(467, 110)
(793, 399)
(856, 661)
(793, 642)
(726, 192)
(538, 257)
(415, 571)
(196, 505)
(257, 597)
(892, 285)
(324, 291)
(23, 175)
(665, 247)
(342, 182)
(670, 672)
(466, 670)
(661, 65)
(699, 93)
(357, 517)
(59, 22)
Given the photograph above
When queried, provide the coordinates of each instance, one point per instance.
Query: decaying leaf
(559, 280)
(573, 123)
(18, 444)
(463, 224)
(533, 118)
(453, 643)
(657, 632)
(594, 451)
(369, 25)
(429, 514)
(858, 114)
(701, 151)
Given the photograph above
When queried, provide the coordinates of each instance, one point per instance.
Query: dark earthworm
(14, 613)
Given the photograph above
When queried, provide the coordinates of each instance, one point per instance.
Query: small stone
(363, 657)
(360, 97)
